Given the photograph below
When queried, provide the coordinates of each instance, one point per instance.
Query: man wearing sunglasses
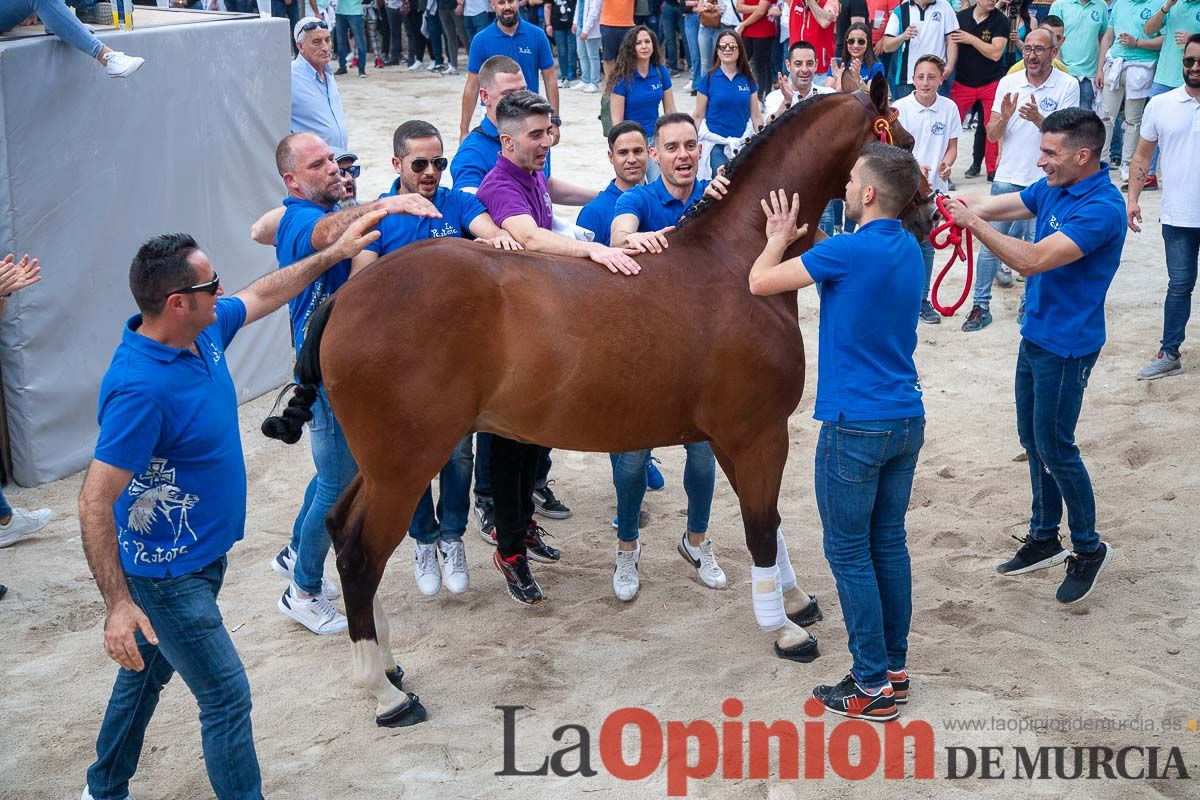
(316, 103)
(165, 499)
(349, 172)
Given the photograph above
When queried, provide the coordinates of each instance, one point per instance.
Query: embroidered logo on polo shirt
(216, 352)
(938, 128)
(1053, 223)
(936, 16)
(1095, 16)
(1048, 105)
(525, 51)
(156, 493)
(1145, 13)
(447, 231)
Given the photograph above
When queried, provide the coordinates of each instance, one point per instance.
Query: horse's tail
(288, 426)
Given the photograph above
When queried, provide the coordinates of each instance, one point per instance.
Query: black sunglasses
(210, 287)
(1190, 61)
(421, 164)
(352, 170)
(312, 26)
(856, 41)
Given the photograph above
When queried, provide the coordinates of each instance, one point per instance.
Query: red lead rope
(955, 234)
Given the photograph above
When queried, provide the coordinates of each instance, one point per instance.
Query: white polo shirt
(1022, 142)
(934, 23)
(934, 127)
(1173, 120)
(774, 101)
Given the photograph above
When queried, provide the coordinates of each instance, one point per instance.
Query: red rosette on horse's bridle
(955, 235)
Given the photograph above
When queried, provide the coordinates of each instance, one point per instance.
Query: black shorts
(611, 37)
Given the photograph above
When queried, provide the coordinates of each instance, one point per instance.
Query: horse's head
(918, 216)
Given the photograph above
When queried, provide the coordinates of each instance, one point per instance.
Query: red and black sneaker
(851, 700)
(521, 585)
(899, 682)
(537, 547)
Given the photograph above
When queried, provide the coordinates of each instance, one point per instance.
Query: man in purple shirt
(520, 199)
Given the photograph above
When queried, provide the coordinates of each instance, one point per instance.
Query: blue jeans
(475, 23)
(354, 22)
(988, 265)
(629, 479)
(284, 11)
(671, 21)
(335, 469)
(448, 521)
(57, 17)
(1049, 391)
(691, 33)
(483, 466)
(564, 42)
(717, 158)
(864, 477)
(829, 217)
(927, 254)
(1183, 250)
(192, 641)
(5, 508)
(589, 59)
(1087, 94)
(707, 38)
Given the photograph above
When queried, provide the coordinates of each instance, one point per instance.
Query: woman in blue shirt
(728, 98)
(856, 48)
(639, 84)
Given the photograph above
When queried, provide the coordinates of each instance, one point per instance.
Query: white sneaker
(87, 795)
(450, 70)
(316, 613)
(433, 67)
(23, 523)
(625, 574)
(425, 568)
(119, 65)
(590, 88)
(284, 566)
(454, 567)
(574, 84)
(416, 65)
(562, 83)
(705, 561)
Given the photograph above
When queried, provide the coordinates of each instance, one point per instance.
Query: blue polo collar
(146, 345)
(665, 198)
(1080, 188)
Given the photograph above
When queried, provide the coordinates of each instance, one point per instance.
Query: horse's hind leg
(366, 527)
(755, 469)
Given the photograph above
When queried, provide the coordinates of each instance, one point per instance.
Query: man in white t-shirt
(802, 67)
(1023, 100)
(916, 29)
(1172, 121)
(934, 123)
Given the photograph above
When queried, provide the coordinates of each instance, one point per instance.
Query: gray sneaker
(1163, 366)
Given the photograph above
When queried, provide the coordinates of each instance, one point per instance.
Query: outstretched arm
(263, 229)
(770, 274)
(539, 240)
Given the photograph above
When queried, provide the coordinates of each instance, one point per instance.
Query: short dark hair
(1193, 39)
(930, 58)
(520, 106)
(1055, 20)
(894, 174)
(800, 44)
(159, 268)
(622, 128)
(1080, 127)
(412, 129)
(674, 118)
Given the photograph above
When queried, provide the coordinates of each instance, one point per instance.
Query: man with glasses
(165, 499)
(1023, 101)
(316, 103)
(349, 172)
(419, 164)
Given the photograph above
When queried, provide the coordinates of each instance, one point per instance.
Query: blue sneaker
(654, 478)
(977, 320)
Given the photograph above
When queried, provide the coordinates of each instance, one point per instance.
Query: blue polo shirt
(655, 207)
(643, 95)
(872, 282)
(169, 416)
(528, 46)
(728, 110)
(317, 106)
(477, 155)
(458, 210)
(293, 241)
(597, 216)
(1064, 308)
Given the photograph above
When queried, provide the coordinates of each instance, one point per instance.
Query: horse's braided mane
(731, 167)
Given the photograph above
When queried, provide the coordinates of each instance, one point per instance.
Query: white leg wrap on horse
(369, 674)
(787, 576)
(383, 635)
(768, 598)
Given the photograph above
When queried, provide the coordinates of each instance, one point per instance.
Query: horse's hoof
(803, 653)
(809, 615)
(396, 677)
(410, 713)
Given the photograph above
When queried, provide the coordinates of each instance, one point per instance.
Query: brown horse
(444, 338)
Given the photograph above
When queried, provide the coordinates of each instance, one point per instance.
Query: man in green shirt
(1085, 22)
(1127, 61)
(1175, 20)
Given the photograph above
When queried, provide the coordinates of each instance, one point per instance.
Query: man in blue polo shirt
(311, 218)
(1080, 233)
(165, 498)
(521, 41)
(627, 152)
(872, 418)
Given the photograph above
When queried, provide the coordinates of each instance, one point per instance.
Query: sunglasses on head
(421, 164)
(312, 26)
(353, 170)
(727, 48)
(1190, 62)
(210, 287)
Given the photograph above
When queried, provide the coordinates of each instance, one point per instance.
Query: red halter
(955, 234)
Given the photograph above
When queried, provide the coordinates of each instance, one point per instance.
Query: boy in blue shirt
(165, 498)
(1080, 232)
(872, 417)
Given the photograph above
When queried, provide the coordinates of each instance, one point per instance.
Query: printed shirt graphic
(458, 210)
(293, 241)
(169, 416)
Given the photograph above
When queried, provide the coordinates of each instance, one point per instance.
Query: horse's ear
(849, 82)
(879, 93)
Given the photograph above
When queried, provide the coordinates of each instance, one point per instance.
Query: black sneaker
(1033, 555)
(485, 512)
(929, 314)
(521, 585)
(546, 504)
(851, 700)
(977, 320)
(1082, 571)
(537, 547)
(973, 171)
(899, 682)
(340, 71)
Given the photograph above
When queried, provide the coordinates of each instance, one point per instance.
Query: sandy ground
(981, 647)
